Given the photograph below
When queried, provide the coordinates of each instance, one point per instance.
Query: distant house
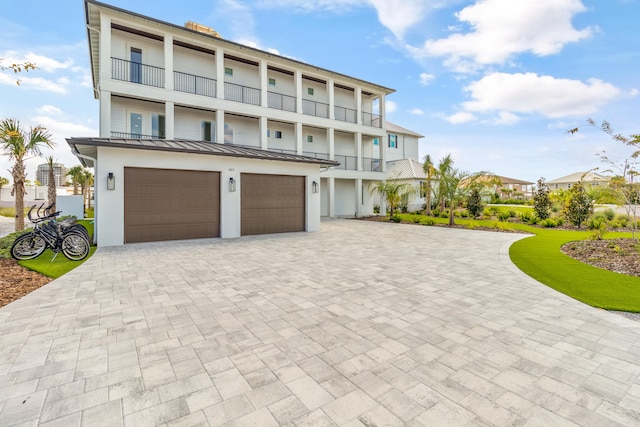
(588, 178)
(411, 172)
(508, 188)
(401, 143)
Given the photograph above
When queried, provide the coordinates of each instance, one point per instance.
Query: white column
(383, 114)
(105, 114)
(359, 150)
(331, 137)
(298, 137)
(359, 197)
(168, 61)
(219, 73)
(264, 142)
(299, 93)
(169, 120)
(332, 99)
(332, 197)
(105, 48)
(220, 126)
(358, 95)
(264, 83)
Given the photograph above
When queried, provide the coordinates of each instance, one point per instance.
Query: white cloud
(416, 112)
(501, 29)
(530, 93)
(314, 5)
(506, 118)
(390, 106)
(460, 118)
(50, 110)
(35, 83)
(42, 62)
(426, 78)
(399, 15)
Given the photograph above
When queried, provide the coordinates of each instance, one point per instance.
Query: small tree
(541, 200)
(474, 202)
(430, 172)
(578, 206)
(76, 174)
(393, 193)
(51, 185)
(86, 181)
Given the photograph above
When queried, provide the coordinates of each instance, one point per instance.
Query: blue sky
(496, 83)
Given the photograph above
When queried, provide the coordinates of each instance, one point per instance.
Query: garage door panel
(166, 204)
(272, 204)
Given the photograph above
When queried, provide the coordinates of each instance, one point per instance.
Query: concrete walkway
(7, 225)
(360, 324)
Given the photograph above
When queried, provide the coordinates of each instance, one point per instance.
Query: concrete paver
(358, 324)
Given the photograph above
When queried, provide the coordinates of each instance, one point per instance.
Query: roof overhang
(88, 147)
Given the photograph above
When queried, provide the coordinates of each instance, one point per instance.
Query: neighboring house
(507, 188)
(202, 137)
(59, 174)
(409, 171)
(401, 143)
(588, 178)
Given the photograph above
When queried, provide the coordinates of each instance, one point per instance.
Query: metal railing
(239, 93)
(313, 108)
(324, 156)
(373, 120)
(189, 83)
(345, 114)
(346, 162)
(134, 135)
(282, 150)
(281, 102)
(135, 72)
(373, 165)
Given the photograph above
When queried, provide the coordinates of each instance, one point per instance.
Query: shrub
(614, 225)
(415, 219)
(503, 216)
(444, 214)
(427, 221)
(395, 218)
(548, 223)
(623, 220)
(376, 209)
(526, 216)
(464, 214)
(435, 212)
(474, 202)
(595, 222)
(609, 214)
(556, 208)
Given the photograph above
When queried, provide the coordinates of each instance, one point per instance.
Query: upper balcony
(148, 75)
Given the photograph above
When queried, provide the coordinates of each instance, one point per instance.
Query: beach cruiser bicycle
(66, 236)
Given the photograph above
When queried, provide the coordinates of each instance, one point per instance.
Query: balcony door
(135, 72)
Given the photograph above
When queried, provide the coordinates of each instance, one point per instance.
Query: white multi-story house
(182, 107)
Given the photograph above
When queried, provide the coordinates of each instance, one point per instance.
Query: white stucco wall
(110, 203)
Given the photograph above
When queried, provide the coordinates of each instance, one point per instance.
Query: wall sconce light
(232, 185)
(315, 187)
(111, 181)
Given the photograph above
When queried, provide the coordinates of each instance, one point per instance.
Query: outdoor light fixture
(111, 181)
(315, 187)
(232, 185)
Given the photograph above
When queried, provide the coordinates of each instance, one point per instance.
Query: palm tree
(444, 165)
(430, 172)
(76, 175)
(86, 181)
(3, 181)
(18, 144)
(51, 185)
(454, 184)
(393, 193)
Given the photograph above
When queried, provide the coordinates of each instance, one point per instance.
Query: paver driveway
(360, 324)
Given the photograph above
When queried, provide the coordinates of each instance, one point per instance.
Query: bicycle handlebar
(47, 215)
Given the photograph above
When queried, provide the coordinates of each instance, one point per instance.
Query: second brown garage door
(169, 204)
(272, 203)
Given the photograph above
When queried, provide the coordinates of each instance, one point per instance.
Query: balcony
(280, 101)
(373, 120)
(346, 162)
(135, 72)
(127, 135)
(324, 156)
(345, 114)
(313, 108)
(189, 83)
(239, 93)
(373, 165)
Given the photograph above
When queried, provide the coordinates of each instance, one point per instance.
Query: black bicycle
(68, 237)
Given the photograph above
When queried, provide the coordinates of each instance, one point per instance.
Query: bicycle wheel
(79, 228)
(28, 246)
(75, 246)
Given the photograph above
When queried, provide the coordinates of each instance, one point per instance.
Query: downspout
(74, 151)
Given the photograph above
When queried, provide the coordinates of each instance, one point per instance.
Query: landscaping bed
(17, 281)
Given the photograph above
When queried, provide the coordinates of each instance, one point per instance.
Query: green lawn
(539, 256)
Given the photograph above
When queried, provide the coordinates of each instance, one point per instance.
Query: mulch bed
(618, 255)
(16, 281)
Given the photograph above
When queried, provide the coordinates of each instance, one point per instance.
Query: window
(228, 133)
(228, 71)
(376, 141)
(272, 82)
(310, 90)
(206, 130)
(393, 141)
(309, 138)
(268, 133)
(135, 65)
(278, 134)
(135, 125)
(158, 126)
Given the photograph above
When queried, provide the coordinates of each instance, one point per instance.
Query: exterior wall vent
(202, 29)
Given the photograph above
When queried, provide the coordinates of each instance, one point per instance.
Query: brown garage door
(168, 204)
(272, 203)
